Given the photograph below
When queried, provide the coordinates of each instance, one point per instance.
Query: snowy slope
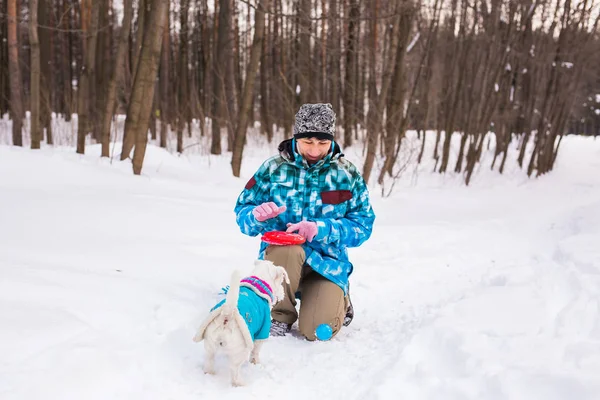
(486, 292)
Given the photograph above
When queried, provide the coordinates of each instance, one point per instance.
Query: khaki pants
(322, 301)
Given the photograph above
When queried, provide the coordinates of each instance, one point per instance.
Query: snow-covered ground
(487, 292)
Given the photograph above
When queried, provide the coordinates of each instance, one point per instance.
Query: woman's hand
(308, 229)
(267, 211)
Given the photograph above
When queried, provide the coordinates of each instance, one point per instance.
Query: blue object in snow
(324, 332)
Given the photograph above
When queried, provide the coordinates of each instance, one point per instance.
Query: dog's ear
(262, 263)
(281, 274)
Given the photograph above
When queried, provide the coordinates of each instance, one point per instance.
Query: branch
(325, 16)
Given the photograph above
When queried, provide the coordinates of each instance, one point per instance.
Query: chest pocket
(283, 192)
(280, 185)
(335, 203)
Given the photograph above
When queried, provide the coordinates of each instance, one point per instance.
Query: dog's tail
(223, 316)
(230, 306)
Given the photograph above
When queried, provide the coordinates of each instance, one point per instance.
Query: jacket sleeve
(255, 193)
(356, 226)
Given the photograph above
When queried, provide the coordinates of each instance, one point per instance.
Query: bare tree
(100, 81)
(83, 126)
(377, 101)
(66, 60)
(483, 72)
(34, 97)
(265, 113)
(4, 85)
(304, 54)
(14, 71)
(248, 93)
(165, 110)
(143, 9)
(232, 79)
(334, 49)
(116, 77)
(47, 86)
(396, 99)
(219, 74)
(183, 100)
(350, 82)
(142, 94)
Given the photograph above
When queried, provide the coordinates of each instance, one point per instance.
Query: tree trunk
(165, 111)
(232, 78)
(219, 74)
(395, 104)
(14, 72)
(153, 111)
(459, 60)
(359, 92)
(377, 102)
(102, 71)
(47, 84)
(473, 154)
(304, 58)
(139, 34)
(143, 87)
(116, 77)
(208, 53)
(34, 97)
(87, 71)
(265, 123)
(322, 90)
(4, 85)
(183, 101)
(65, 64)
(248, 93)
(350, 86)
(372, 115)
(333, 55)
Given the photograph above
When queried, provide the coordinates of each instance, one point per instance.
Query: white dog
(239, 324)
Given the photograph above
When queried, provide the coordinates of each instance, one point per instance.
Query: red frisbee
(281, 238)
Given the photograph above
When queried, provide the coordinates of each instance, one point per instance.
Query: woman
(311, 189)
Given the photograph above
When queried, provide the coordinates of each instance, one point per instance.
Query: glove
(308, 229)
(267, 211)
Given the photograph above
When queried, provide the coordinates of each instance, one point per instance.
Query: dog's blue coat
(255, 311)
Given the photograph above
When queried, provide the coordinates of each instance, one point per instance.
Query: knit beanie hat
(315, 120)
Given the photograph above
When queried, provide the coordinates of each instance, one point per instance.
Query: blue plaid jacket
(331, 193)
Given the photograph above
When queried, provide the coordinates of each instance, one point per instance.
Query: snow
(483, 292)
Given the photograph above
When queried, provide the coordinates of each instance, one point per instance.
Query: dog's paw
(209, 370)
(237, 383)
(255, 360)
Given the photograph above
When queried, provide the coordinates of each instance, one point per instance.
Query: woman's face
(313, 149)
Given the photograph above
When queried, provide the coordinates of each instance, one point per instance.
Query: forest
(524, 72)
